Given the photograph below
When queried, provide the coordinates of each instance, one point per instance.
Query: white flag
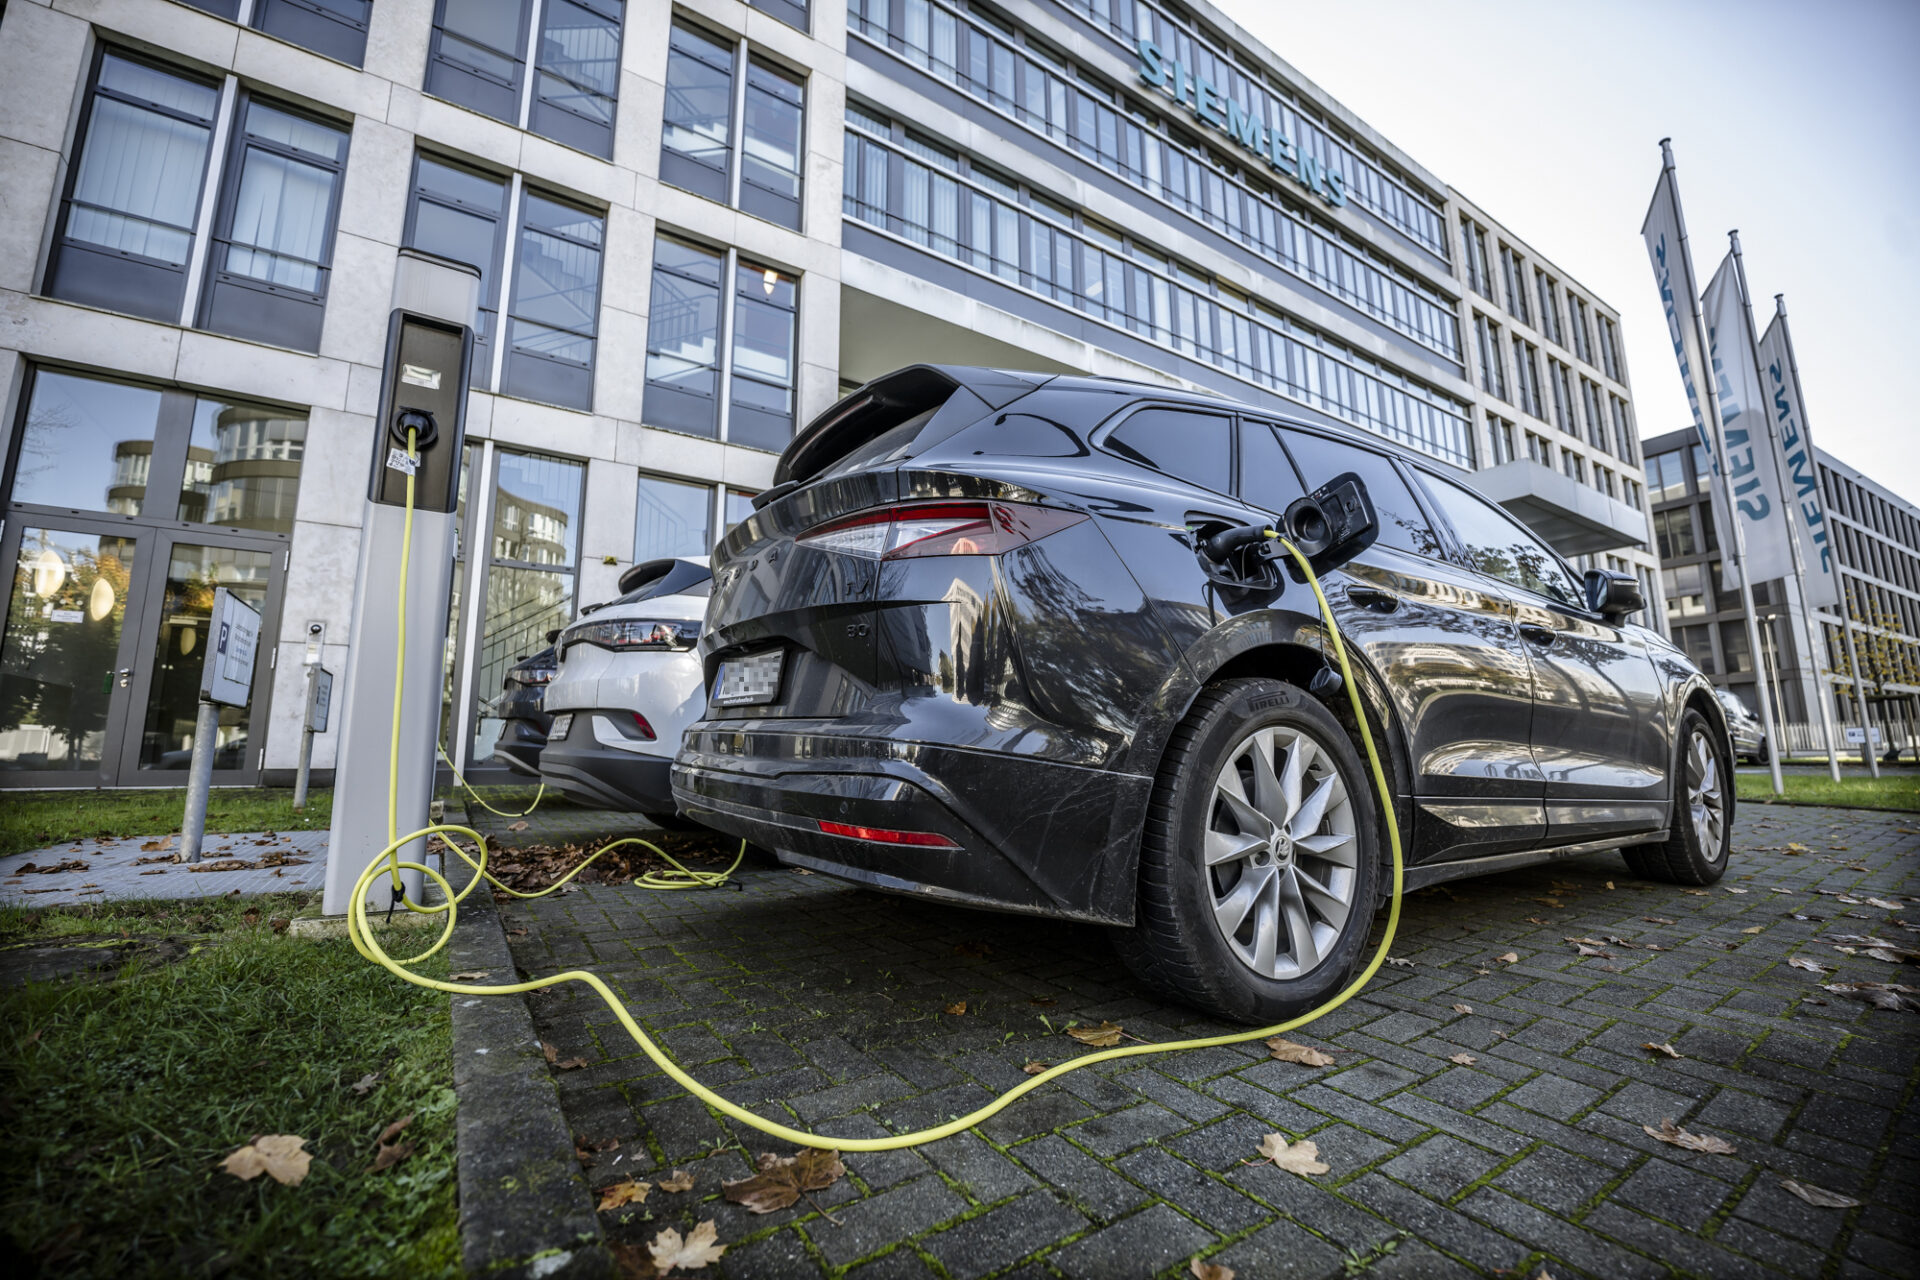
(1673, 272)
(1801, 474)
(1753, 478)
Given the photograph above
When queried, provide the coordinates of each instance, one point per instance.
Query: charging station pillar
(423, 386)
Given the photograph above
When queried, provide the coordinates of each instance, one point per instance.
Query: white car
(628, 683)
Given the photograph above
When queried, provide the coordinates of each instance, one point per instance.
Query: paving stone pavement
(126, 869)
(1481, 1118)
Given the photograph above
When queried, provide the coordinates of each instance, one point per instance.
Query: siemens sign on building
(695, 225)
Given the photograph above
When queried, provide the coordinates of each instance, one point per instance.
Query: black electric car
(1005, 639)
(520, 705)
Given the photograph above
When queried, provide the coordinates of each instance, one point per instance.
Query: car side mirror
(1333, 524)
(1613, 595)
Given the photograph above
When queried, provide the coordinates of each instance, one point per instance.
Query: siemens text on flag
(1801, 476)
(1752, 479)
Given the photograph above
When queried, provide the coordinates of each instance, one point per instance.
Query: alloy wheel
(1706, 799)
(1281, 852)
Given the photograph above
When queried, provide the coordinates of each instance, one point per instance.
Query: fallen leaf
(1208, 1270)
(395, 1129)
(1300, 1157)
(553, 1056)
(692, 1254)
(518, 826)
(1042, 1001)
(1667, 1049)
(1794, 847)
(1284, 1050)
(782, 1178)
(1891, 996)
(1463, 1008)
(1759, 928)
(1464, 1059)
(1034, 1066)
(1819, 1197)
(1103, 1036)
(1512, 957)
(957, 1008)
(278, 1155)
(1581, 948)
(1730, 889)
(1883, 904)
(1809, 965)
(154, 846)
(386, 1155)
(1483, 972)
(622, 1193)
(680, 1181)
(1674, 1135)
(1609, 884)
(279, 924)
(1658, 920)
(472, 975)
(1555, 903)
(1698, 893)
(1398, 963)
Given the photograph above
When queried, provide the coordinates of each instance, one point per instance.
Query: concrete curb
(525, 1207)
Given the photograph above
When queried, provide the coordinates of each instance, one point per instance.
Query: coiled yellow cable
(364, 941)
(446, 759)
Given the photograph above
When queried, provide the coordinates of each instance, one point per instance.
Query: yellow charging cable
(538, 795)
(364, 941)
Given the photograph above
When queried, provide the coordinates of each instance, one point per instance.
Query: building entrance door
(100, 659)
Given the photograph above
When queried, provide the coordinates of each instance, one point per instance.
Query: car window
(1500, 547)
(1192, 446)
(1402, 523)
(1267, 478)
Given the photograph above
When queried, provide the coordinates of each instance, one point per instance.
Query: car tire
(1763, 754)
(1316, 898)
(1700, 835)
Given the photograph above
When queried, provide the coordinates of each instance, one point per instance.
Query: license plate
(561, 723)
(748, 681)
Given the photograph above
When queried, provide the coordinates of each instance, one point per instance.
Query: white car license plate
(561, 723)
(748, 681)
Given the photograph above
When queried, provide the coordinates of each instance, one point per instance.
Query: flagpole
(1793, 539)
(1845, 604)
(1711, 402)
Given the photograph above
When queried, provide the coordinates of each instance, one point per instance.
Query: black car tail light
(939, 529)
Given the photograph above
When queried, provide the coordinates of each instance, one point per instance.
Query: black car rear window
(1193, 446)
(1402, 523)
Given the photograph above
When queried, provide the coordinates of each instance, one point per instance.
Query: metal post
(306, 749)
(1867, 757)
(193, 826)
(1710, 401)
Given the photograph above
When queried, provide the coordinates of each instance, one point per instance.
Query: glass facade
(554, 316)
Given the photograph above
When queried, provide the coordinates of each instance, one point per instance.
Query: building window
(461, 213)
(1473, 245)
(1513, 272)
(273, 247)
(1702, 469)
(1674, 532)
(685, 326)
(336, 29)
(1603, 480)
(1563, 407)
(478, 56)
(756, 167)
(1596, 420)
(1734, 643)
(1549, 307)
(127, 224)
(1627, 447)
(1526, 376)
(1666, 476)
(1493, 367)
(1577, 322)
(1539, 449)
(1574, 465)
(1500, 433)
(553, 316)
(792, 12)
(243, 466)
(1610, 350)
(678, 517)
(1630, 493)
(1697, 643)
(1685, 589)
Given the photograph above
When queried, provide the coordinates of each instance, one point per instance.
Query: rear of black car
(524, 720)
(924, 662)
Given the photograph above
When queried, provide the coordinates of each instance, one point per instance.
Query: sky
(1796, 123)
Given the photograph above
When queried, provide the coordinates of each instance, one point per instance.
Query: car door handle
(1534, 633)
(1373, 598)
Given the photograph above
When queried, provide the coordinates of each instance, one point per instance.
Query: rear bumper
(519, 747)
(585, 770)
(1031, 835)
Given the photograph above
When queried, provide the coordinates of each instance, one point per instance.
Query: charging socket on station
(423, 391)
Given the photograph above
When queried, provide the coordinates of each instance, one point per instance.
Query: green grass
(1891, 790)
(36, 819)
(121, 1097)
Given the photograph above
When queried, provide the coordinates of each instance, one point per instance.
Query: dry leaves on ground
(681, 1180)
(278, 1155)
(782, 1179)
(1756, 929)
(1590, 947)
(1464, 1059)
(1102, 1036)
(1667, 1049)
(1658, 920)
(470, 975)
(1893, 996)
(73, 864)
(1034, 1066)
(1285, 1050)
(623, 1193)
(1299, 1157)
(1883, 904)
(585, 1149)
(1671, 1133)
(1200, 1270)
(387, 1152)
(1398, 963)
(1463, 1008)
(1819, 1197)
(1511, 957)
(553, 1056)
(1811, 966)
(691, 1254)
(365, 1084)
(957, 1008)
